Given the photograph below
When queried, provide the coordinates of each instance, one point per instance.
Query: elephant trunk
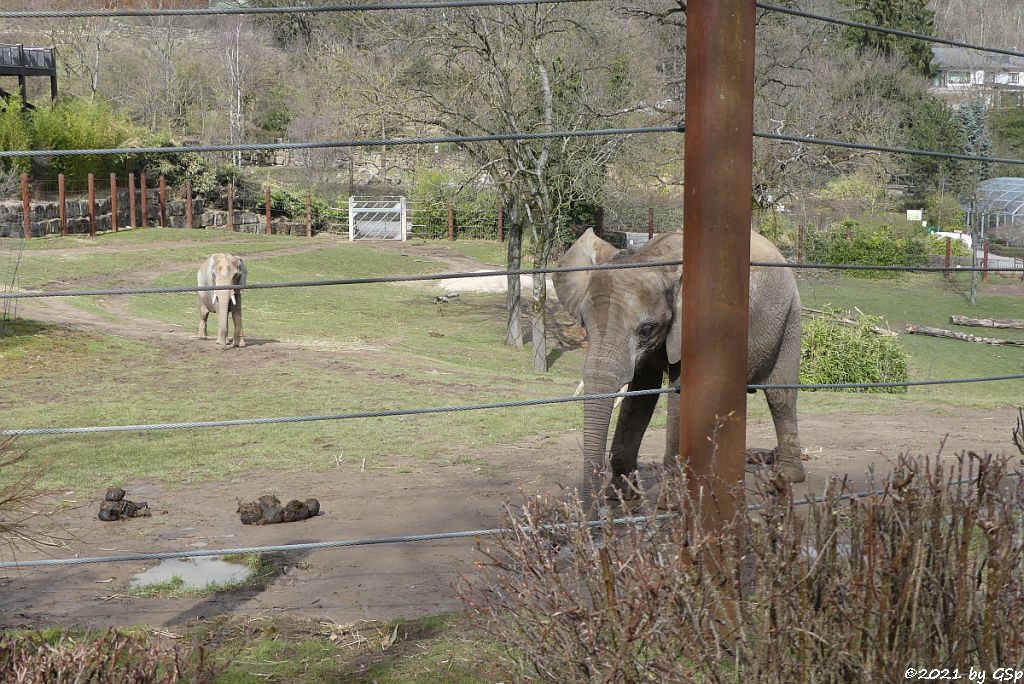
(597, 415)
(223, 307)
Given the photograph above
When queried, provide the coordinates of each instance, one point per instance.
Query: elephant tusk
(232, 298)
(618, 400)
(579, 389)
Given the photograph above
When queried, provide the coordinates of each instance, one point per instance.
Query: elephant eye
(646, 329)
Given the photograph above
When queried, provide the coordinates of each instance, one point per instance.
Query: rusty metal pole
(501, 223)
(984, 264)
(231, 207)
(451, 221)
(92, 205)
(309, 214)
(650, 223)
(266, 201)
(62, 202)
(143, 212)
(949, 256)
(131, 201)
(716, 242)
(163, 202)
(113, 202)
(26, 207)
(188, 204)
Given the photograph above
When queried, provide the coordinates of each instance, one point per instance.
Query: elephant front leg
(671, 460)
(236, 319)
(634, 417)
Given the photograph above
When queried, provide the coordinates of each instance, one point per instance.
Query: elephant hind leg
(782, 402)
(204, 314)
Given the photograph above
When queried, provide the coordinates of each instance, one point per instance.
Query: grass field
(360, 348)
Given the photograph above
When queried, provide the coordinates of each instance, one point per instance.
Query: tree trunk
(913, 329)
(539, 331)
(514, 231)
(987, 322)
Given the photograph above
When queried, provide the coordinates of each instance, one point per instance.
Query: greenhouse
(1001, 209)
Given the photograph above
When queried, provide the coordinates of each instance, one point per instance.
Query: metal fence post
(92, 205)
(231, 207)
(266, 201)
(113, 202)
(26, 207)
(62, 202)
(501, 223)
(163, 202)
(949, 256)
(984, 264)
(309, 214)
(716, 242)
(143, 212)
(650, 223)
(131, 201)
(451, 221)
(188, 204)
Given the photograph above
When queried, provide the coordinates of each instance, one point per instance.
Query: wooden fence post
(62, 201)
(131, 201)
(231, 207)
(309, 214)
(949, 256)
(163, 202)
(984, 264)
(451, 221)
(800, 244)
(92, 205)
(650, 223)
(501, 223)
(144, 214)
(113, 202)
(266, 201)
(188, 204)
(599, 222)
(26, 207)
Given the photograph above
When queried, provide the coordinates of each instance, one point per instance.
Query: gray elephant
(227, 270)
(632, 319)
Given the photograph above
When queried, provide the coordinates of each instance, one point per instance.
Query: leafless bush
(17, 482)
(10, 182)
(114, 658)
(926, 575)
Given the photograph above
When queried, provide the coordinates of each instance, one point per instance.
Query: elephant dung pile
(267, 510)
(116, 507)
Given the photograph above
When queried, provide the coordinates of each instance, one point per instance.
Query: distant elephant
(632, 318)
(229, 271)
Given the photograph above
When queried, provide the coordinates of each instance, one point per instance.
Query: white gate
(377, 218)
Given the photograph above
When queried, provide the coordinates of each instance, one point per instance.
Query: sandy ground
(401, 497)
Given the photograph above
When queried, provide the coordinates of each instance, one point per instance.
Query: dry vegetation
(846, 590)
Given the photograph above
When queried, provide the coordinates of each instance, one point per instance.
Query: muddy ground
(402, 497)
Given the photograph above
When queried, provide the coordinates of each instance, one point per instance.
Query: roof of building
(951, 58)
(1002, 196)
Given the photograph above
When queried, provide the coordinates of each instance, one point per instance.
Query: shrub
(833, 352)
(850, 243)
(14, 135)
(937, 245)
(925, 575)
(114, 658)
(476, 206)
(80, 123)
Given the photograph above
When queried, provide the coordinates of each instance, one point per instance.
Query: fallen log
(940, 332)
(987, 322)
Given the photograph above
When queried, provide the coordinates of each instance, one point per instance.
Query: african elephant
(229, 271)
(632, 319)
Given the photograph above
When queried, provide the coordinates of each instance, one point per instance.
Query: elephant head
(632, 323)
(228, 271)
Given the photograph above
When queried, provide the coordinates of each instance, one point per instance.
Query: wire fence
(523, 136)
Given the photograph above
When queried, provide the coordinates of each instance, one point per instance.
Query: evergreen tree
(930, 125)
(973, 124)
(908, 15)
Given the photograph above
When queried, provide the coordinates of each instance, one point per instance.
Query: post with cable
(716, 245)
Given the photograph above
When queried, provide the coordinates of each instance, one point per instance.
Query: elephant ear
(674, 341)
(243, 272)
(571, 287)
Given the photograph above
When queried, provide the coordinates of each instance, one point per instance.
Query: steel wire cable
(387, 413)
(409, 538)
(885, 29)
(36, 294)
(385, 142)
(284, 9)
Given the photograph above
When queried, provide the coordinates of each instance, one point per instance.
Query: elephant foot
(790, 468)
(202, 337)
(624, 488)
(240, 343)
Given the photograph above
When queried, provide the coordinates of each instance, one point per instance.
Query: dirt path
(395, 580)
